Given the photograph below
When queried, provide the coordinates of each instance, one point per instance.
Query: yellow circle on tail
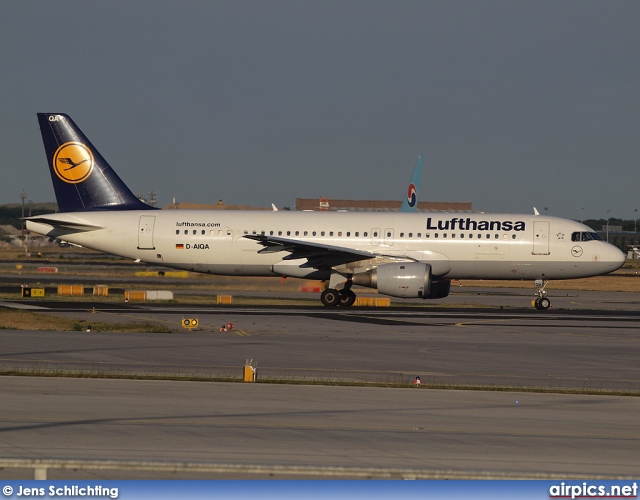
(73, 162)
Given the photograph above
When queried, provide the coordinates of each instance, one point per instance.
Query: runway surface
(318, 425)
(518, 349)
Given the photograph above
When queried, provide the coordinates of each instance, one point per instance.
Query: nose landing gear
(542, 303)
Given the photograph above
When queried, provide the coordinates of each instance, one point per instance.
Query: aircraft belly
(235, 270)
(491, 260)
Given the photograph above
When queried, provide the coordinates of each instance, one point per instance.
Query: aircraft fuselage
(457, 246)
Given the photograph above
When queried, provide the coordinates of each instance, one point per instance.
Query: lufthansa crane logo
(73, 162)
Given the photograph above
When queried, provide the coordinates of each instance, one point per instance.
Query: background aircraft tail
(82, 178)
(410, 203)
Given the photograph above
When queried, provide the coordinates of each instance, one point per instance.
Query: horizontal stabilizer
(65, 223)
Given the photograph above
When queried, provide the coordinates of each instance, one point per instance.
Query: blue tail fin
(82, 178)
(410, 203)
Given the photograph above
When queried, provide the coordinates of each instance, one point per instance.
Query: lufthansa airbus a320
(403, 254)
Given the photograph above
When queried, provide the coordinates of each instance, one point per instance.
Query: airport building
(319, 204)
(379, 205)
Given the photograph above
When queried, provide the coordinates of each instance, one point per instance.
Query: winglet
(410, 203)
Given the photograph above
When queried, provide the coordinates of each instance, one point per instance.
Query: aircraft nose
(615, 257)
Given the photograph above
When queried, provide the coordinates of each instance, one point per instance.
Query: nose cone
(615, 258)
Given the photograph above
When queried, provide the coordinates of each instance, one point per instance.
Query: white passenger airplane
(399, 254)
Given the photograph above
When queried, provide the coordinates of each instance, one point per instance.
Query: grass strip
(94, 374)
(19, 319)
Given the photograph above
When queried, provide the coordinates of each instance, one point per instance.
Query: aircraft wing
(317, 254)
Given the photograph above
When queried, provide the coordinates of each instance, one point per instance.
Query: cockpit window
(585, 237)
(594, 236)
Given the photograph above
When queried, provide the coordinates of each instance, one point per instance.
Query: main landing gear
(345, 297)
(542, 303)
(332, 297)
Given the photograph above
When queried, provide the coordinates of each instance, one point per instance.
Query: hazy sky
(514, 104)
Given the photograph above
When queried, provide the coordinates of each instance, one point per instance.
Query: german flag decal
(179, 246)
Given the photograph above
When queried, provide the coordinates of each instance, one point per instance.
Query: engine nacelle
(404, 279)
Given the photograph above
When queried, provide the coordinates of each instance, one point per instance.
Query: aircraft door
(541, 238)
(388, 236)
(145, 232)
(375, 236)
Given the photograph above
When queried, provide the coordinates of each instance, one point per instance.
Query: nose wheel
(542, 303)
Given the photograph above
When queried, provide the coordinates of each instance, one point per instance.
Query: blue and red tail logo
(412, 196)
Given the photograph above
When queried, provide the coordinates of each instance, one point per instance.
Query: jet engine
(439, 289)
(404, 279)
